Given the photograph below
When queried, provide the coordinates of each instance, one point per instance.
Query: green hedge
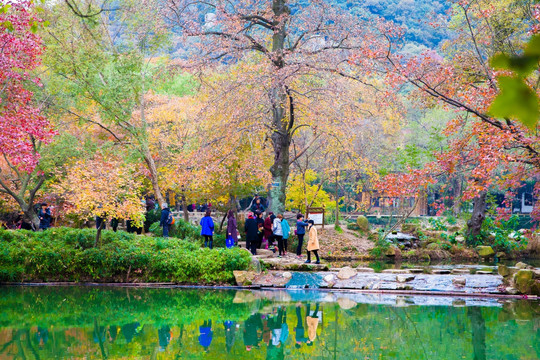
(185, 230)
(66, 254)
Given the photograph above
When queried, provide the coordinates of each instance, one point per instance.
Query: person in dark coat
(251, 230)
(44, 217)
(257, 205)
(100, 223)
(164, 220)
(260, 228)
(268, 232)
(300, 232)
(232, 227)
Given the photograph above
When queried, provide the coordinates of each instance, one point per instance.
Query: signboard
(317, 215)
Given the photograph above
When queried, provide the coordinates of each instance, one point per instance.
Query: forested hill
(415, 15)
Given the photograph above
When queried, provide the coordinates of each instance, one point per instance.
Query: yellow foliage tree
(104, 187)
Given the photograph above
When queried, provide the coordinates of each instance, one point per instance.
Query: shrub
(500, 235)
(64, 254)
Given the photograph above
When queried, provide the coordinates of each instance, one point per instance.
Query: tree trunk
(184, 207)
(337, 199)
(98, 233)
(456, 194)
(154, 178)
(281, 135)
(31, 215)
(474, 225)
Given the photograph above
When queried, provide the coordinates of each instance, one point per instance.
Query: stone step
(461, 271)
(440, 271)
(396, 271)
(416, 271)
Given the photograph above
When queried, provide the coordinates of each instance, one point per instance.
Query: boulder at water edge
(485, 251)
(523, 281)
(346, 273)
(363, 223)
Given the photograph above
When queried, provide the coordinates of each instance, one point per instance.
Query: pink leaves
(22, 126)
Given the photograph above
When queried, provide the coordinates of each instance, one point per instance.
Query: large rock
(485, 251)
(523, 281)
(363, 223)
(244, 278)
(329, 278)
(459, 281)
(504, 270)
(346, 273)
(521, 265)
(287, 275)
(440, 271)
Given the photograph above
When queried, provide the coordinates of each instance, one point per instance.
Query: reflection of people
(312, 322)
(113, 331)
(130, 330)
(300, 332)
(164, 337)
(42, 336)
(206, 333)
(252, 331)
(230, 334)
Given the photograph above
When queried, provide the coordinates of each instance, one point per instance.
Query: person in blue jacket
(44, 217)
(300, 232)
(207, 229)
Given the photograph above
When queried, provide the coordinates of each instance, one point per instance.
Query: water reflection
(98, 323)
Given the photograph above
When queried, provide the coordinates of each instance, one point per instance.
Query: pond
(174, 323)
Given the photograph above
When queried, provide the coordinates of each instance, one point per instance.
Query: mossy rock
(363, 223)
(410, 228)
(485, 251)
(523, 281)
(433, 246)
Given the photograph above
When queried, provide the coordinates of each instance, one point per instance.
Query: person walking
(165, 220)
(44, 217)
(278, 233)
(286, 228)
(207, 230)
(252, 237)
(313, 243)
(232, 227)
(300, 232)
(268, 233)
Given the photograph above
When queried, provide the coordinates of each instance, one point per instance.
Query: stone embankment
(292, 273)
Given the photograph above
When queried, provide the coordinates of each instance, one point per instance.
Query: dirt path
(342, 244)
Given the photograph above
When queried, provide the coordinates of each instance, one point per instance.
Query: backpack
(170, 220)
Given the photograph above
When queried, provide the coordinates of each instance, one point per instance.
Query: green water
(128, 323)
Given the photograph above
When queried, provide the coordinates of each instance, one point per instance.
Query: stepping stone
(396, 271)
(404, 278)
(459, 281)
(484, 272)
(440, 271)
(416, 271)
(461, 271)
(365, 270)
